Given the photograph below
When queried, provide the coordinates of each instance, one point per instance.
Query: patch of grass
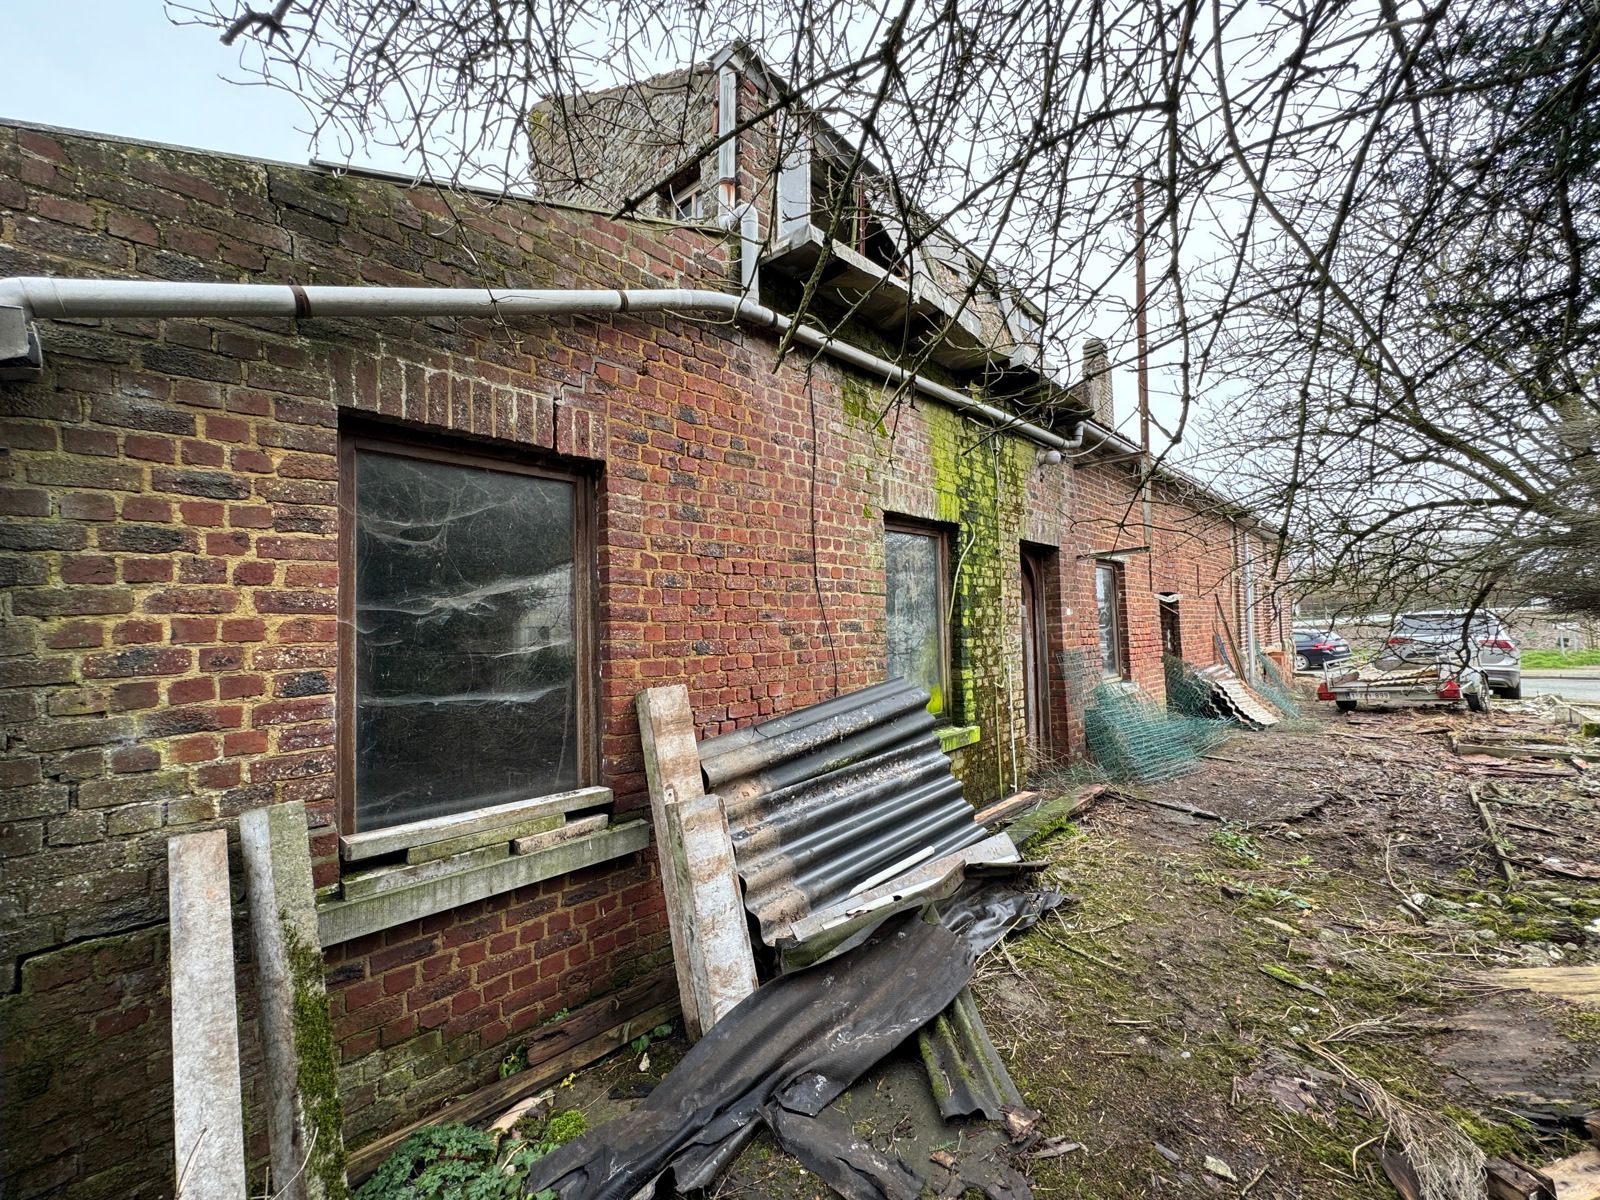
(1579, 1025)
(1237, 845)
(1547, 659)
(1515, 1136)
(1253, 895)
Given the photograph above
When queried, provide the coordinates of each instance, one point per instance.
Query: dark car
(1315, 648)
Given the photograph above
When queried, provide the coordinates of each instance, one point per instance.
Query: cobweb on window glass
(465, 641)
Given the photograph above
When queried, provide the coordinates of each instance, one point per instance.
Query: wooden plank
(498, 835)
(582, 827)
(1030, 823)
(1506, 750)
(207, 1105)
(561, 1056)
(1002, 810)
(376, 882)
(396, 838)
(705, 912)
(1502, 851)
(1512, 1179)
(1581, 985)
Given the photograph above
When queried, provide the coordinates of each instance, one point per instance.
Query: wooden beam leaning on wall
(710, 933)
(304, 1114)
(207, 1107)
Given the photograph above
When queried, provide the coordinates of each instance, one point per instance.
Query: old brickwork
(171, 505)
(168, 643)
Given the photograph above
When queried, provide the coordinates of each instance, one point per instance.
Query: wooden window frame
(941, 540)
(428, 447)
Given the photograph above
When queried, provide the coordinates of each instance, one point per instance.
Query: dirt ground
(1263, 1004)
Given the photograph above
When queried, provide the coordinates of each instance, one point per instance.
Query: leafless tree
(1371, 227)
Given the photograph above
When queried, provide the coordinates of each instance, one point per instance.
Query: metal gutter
(24, 299)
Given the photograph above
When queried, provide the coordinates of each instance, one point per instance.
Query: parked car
(1483, 644)
(1315, 648)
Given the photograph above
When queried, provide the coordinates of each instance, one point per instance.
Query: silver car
(1483, 644)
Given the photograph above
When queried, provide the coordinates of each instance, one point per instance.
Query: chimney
(1097, 382)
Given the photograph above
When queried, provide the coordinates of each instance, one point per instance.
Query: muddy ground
(1263, 1004)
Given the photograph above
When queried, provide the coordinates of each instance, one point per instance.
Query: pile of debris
(839, 835)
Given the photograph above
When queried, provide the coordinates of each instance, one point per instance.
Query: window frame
(427, 447)
(1117, 620)
(940, 535)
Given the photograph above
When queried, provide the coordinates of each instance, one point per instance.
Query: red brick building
(233, 547)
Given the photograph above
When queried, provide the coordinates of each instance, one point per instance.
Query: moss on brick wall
(980, 487)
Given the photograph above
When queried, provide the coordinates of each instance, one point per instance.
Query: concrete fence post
(207, 1109)
(304, 1114)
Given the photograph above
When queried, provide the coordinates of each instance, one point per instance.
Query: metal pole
(1142, 322)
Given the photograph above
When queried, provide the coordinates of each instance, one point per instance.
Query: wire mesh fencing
(1131, 736)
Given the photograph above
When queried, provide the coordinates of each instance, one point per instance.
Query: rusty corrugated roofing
(828, 801)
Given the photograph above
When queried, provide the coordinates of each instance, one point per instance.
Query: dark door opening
(1171, 628)
(1035, 658)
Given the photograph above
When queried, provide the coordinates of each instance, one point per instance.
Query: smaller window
(686, 205)
(1108, 600)
(916, 582)
(681, 198)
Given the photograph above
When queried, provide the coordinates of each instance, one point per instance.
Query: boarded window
(914, 578)
(466, 636)
(1107, 600)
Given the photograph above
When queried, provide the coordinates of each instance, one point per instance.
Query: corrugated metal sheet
(1235, 698)
(828, 801)
(969, 1078)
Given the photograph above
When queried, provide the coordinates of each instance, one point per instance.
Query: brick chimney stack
(1097, 381)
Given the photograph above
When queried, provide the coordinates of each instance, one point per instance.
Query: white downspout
(24, 298)
(1247, 555)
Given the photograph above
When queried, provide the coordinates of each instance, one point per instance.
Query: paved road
(1570, 686)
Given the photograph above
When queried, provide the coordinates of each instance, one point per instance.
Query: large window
(1108, 600)
(915, 577)
(466, 634)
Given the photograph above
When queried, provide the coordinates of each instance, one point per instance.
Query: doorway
(1171, 627)
(1035, 654)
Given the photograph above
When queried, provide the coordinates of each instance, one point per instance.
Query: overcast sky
(120, 67)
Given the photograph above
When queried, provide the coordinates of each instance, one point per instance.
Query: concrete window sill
(953, 737)
(473, 876)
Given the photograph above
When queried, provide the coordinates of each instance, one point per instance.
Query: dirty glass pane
(915, 599)
(1105, 598)
(465, 683)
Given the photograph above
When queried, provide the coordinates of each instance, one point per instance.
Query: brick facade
(169, 640)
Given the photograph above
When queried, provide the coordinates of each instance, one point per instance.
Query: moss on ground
(1167, 1019)
(1579, 1025)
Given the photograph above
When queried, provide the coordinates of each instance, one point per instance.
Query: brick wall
(427, 1010)
(603, 148)
(169, 635)
(169, 630)
(168, 642)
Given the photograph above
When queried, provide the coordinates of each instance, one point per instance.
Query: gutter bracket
(21, 356)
